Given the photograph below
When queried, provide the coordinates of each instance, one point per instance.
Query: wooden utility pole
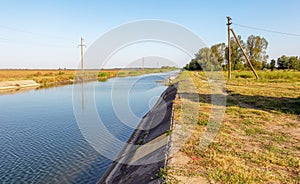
(247, 58)
(81, 51)
(82, 71)
(229, 52)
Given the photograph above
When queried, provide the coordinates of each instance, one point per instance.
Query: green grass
(104, 75)
(276, 76)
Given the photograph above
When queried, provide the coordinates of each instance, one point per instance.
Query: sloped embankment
(9, 85)
(141, 164)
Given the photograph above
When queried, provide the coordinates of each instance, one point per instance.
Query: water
(40, 140)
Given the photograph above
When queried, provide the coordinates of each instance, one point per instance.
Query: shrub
(103, 74)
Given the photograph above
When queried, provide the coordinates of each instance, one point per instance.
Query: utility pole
(229, 52)
(81, 51)
(82, 72)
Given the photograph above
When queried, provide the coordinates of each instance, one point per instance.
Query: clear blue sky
(45, 34)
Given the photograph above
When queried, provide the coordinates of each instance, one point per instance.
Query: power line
(267, 30)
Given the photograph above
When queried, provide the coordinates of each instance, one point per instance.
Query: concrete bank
(12, 85)
(138, 165)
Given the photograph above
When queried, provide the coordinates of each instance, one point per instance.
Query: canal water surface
(41, 142)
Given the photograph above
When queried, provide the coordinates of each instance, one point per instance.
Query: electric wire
(267, 30)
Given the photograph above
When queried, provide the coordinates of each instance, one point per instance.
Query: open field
(259, 138)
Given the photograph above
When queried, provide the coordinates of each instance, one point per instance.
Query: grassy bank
(258, 141)
(106, 74)
(58, 77)
(44, 77)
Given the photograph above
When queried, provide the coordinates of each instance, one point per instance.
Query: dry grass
(259, 140)
(44, 77)
(58, 77)
(9, 75)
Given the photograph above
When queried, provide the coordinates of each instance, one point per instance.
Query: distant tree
(285, 62)
(207, 60)
(218, 50)
(193, 65)
(293, 63)
(265, 65)
(256, 50)
(211, 59)
(272, 64)
(282, 62)
(268, 66)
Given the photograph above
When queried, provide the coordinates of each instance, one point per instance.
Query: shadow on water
(280, 104)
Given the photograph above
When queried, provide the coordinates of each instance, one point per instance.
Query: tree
(265, 65)
(193, 65)
(268, 66)
(204, 60)
(285, 62)
(272, 65)
(237, 57)
(282, 62)
(293, 63)
(256, 50)
(207, 60)
(218, 50)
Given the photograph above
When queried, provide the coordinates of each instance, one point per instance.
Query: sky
(38, 34)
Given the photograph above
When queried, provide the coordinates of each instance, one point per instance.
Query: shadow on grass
(280, 104)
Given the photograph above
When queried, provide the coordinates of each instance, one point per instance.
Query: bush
(37, 74)
(103, 74)
(61, 73)
(245, 76)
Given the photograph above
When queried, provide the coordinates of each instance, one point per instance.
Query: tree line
(215, 57)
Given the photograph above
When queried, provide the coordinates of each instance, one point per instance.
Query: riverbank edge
(18, 84)
(138, 174)
(11, 85)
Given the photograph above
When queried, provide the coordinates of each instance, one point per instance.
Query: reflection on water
(82, 95)
(19, 90)
(40, 140)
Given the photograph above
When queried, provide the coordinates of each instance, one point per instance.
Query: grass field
(259, 139)
(269, 76)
